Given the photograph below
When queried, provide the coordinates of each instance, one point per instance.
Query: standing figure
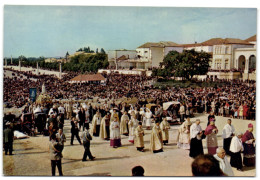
(196, 133)
(236, 147)
(115, 139)
(139, 137)
(87, 119)
(156, 144)
(86, 138)
(61, 138)
(240, 111)
(8, 139)
(249, 147)
(165, 126)
(74, 130)
(96, 124)
(104, 127)
(132, 124)
(82, 118)
(183, 141)
(148, 118)
(61, 111)
(124, 124)
(55, 155)
(182, 112)
(210, 132)
(227, 134)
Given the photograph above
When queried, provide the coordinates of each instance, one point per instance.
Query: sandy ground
(33, 70)
(31, 156)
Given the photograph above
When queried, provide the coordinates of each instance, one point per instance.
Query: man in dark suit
(86, 138)
(74, 131)
(8, 139)
(82, 117)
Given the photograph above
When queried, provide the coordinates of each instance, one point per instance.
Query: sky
(51, 31)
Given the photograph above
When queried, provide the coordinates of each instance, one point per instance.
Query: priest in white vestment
(196, 133)
(124, 124)
(132, 124)
(227, 134)
(156, 144)
(115, 139)
(223, 162)
(236, 147)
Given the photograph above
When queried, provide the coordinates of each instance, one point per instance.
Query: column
(60, 71)
(37, 70)
(246, 66)
(19, 65)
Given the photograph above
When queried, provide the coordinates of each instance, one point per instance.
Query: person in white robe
(156, 143)
(223, 162)
(142, 114)
(96, 121)
(236, 147)
(132, 124)
(165, 126)
(227, 134)
(115, 139)
(148, 118)
(139, 137)
(114, 115)
(196, 134)
(183, 138)
(124, 124)
(103, 131)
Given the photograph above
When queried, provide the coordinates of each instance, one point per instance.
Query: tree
(80, 49)
(185, 64)
(97, 50)
(102, 51)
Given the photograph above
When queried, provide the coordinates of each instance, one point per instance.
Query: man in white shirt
(196, 147)
(236, 147)
(223, 162)
(227, 134)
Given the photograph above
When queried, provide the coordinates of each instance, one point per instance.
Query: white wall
(117, 53)
(168, 49)
(157, 56)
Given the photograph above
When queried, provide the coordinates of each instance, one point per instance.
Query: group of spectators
(235, 99)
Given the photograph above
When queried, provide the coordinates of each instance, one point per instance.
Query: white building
(231, 58)
(118, 59)
(150, 54)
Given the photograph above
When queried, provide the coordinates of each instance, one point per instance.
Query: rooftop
(159, 44)
(88, 77)
(252, 38)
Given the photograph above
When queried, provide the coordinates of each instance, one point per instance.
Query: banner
(33, 94)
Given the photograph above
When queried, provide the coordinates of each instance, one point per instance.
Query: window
(227, 50)
(218, 64)
(145, 51)
(226, 64)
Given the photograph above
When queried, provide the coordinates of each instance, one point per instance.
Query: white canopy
(168, 104)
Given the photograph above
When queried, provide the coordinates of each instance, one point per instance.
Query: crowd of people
(110, 120)
(236, 99)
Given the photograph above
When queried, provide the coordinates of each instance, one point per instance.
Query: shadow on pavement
(99, 174)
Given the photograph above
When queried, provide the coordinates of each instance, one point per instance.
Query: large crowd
(236, 98)
(110, 120)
